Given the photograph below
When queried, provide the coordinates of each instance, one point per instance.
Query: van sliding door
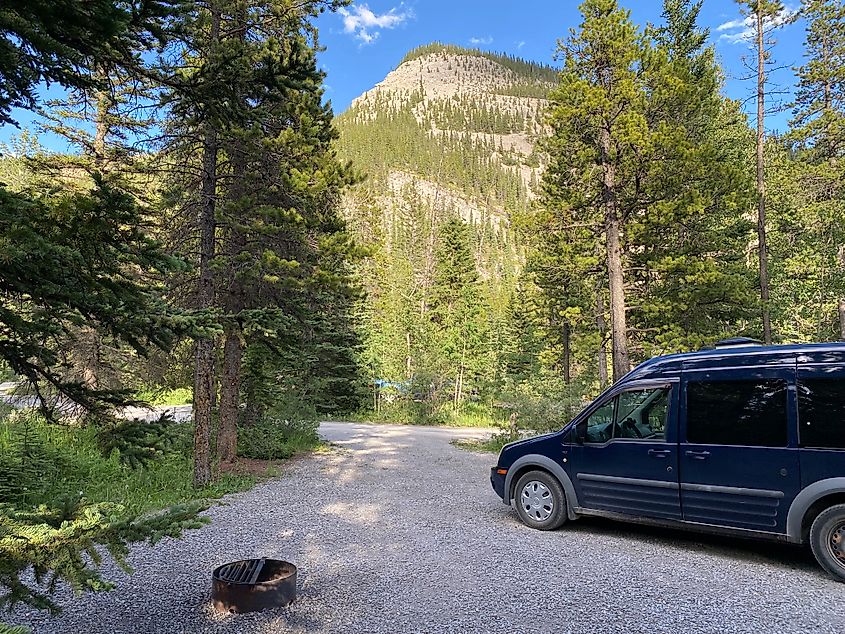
(738, 462)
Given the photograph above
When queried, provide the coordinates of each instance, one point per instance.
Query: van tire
(827, 539)
(539, 501)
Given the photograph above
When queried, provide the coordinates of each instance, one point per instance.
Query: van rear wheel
(827, 539)
(539, 501)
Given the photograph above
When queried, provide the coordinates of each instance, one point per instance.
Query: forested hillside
(447, 145)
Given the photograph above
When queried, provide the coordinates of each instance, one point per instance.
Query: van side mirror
(579, 432)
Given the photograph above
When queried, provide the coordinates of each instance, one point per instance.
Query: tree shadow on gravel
(727, 547)
(730, 547)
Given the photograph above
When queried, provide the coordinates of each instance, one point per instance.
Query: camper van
(742, 439)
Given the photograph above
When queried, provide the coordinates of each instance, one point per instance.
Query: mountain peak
(522, 68)
(442, 71)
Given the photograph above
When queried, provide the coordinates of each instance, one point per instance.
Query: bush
(277, 439)
(166, 396)
(540, 405)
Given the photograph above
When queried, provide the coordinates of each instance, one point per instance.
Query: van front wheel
(827, 539)
(539, 501)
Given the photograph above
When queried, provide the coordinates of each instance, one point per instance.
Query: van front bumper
(497, 480)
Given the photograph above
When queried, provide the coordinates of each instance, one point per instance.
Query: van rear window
(821, 413)
(749, 413)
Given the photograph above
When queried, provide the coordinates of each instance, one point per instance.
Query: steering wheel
(629, 424)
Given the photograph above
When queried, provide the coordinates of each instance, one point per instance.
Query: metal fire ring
(253, 585)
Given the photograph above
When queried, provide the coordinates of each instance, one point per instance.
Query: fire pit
(252, 585)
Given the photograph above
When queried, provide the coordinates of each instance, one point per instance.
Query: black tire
(534, 509)
(827, 540)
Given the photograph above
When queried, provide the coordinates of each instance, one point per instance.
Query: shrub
(277, 439)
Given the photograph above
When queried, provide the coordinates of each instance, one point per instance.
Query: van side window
(750, 413)
(821, 413)
(641, 414)
(600, 423)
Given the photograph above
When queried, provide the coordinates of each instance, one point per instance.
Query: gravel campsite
(396, 530)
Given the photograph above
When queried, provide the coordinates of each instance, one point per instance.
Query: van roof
(738, 356)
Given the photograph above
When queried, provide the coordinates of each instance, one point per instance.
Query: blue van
(744, 439)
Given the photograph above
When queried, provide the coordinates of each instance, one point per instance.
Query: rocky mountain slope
(454, 128)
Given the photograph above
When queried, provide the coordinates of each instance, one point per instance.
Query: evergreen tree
(818, 130)
(764, 15)
(818, 122)
(72, 258)
(268, 189)
(59, 42)
(692, 281)
(456, 308)
(599, 130)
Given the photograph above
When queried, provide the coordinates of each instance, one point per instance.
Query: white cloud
(744, 29)
(366, 25)
(520, 44)
(481, 40)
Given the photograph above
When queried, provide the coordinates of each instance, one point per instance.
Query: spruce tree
(692, 283)
(74, 257)
(457, 309)
(806, 196)
(270, 183)
(599, 129)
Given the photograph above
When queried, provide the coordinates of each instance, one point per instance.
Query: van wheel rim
(537, 501)
(837, 543)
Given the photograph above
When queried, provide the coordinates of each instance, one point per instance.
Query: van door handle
(697, 455)
(659, 453)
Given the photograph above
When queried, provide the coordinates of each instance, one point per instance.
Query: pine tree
(269, 187)
(692, 283)
(819, 109)
(765, 15)
(598, 120)
(456, 308)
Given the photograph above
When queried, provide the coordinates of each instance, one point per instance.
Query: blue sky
(368, 39)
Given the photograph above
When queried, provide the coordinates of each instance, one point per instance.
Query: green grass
(66, 461)
(407, 413)
(493, 444)
(174, 396)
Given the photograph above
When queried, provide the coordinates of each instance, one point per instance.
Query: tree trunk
(601, 324)
(204, 348)
(409, 359)
(761, 179)
(91, 348)
(841, 307)
(92, 343)
(230, 393)
(616, 278)
(567, 352)
(842, 319)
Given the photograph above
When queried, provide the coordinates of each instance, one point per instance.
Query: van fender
(547, 464)
(805, 499)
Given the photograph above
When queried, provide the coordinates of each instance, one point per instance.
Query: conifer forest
(479, 240)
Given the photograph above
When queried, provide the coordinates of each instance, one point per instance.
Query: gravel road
(398, 531)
